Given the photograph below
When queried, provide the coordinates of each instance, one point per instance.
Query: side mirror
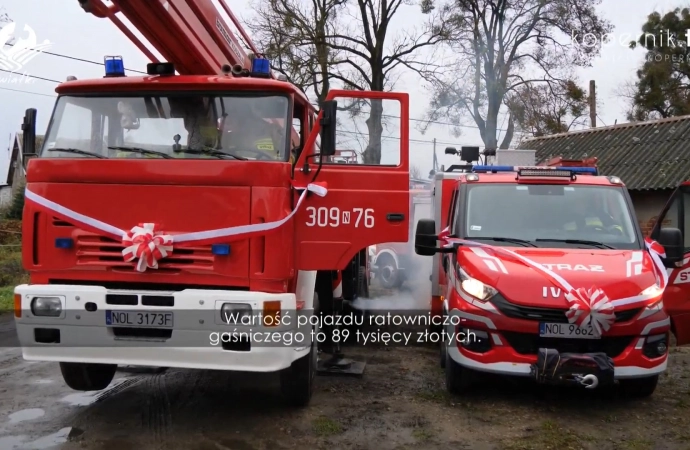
(29, 136)
(672, 241)
(425, 239)
(328, 131)
(451, 151)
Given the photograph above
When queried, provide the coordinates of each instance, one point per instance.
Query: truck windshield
(170, 126)
(551, 215)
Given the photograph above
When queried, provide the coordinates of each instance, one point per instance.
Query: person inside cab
(588, 214)
(196, 113)
(197, 117)
(251, 134)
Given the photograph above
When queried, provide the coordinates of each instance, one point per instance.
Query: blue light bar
(484, 168)
(114, 66)
(260, 67)
(220, 249)
(481, 168)
(65, 243)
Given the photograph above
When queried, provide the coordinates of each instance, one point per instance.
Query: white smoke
(414, 294)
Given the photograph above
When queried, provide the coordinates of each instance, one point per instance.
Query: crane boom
(190, 33)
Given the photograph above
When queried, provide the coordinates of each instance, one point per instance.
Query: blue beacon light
(260, 67)
(114, 66)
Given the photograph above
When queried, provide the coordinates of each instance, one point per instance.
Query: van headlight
(46, 306)
(652, 291)
(474, 287)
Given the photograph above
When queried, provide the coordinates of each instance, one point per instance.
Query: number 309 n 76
(334, 217)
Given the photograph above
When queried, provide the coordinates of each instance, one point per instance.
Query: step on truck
(547, 275)
(194, 217)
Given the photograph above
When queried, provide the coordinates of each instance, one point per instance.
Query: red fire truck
(154, 227)
(546, 274)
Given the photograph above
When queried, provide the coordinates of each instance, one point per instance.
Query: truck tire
(639, 387)
(297, 381)
(388, 272)
(87, 377)
(458, 379)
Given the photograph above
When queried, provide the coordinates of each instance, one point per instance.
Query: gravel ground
(400, 403)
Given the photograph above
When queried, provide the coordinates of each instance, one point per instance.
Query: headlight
(46, 306)
(236, 313)
(652, 290)
(474, 287)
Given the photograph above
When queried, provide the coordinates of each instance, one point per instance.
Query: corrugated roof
(645, 155)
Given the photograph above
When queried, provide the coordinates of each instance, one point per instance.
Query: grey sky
(75, 33)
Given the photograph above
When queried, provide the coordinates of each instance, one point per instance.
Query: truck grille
(94, 250)
(552, 315)
(529, 344)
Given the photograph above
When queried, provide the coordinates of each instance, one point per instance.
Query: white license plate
(567, 330)
(138, 319)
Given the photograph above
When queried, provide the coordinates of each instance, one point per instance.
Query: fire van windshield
(185, 126)
(573, 216)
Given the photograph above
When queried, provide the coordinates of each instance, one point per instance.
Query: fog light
(46, 306)
(655, 346)
(474, 340)
(236, 313)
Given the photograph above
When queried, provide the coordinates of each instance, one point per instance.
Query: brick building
(651, 158)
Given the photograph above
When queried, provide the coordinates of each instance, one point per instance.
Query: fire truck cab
(543, 272)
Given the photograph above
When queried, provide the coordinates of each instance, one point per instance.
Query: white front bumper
(197, 331)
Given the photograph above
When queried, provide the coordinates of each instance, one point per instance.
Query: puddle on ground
(25, 414)
(89, 397)
(43, 443)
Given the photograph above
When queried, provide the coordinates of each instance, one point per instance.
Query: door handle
(395, 217)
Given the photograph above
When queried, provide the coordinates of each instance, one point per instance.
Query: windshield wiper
(77, 151)
(141, 151)
(211, 152)
(578, 241)
(504, 239)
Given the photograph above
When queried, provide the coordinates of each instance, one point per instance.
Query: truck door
(676, 214)
(368, 200)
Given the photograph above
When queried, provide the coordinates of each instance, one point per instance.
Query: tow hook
(589, 381)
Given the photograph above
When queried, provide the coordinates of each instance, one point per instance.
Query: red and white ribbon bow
(590, 307)
(657, 251)
(146, 244)
(587, 307)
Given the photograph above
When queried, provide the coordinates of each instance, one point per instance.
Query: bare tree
(503, 45)
(5, 19)
(548, 108)
(349, 43)
(415, 172)
(294, 35)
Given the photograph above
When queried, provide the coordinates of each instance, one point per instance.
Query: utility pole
(592, 104)
(434, 169)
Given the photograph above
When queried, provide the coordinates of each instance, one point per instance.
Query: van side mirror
(29, 136)
(672, 241)
(328, 127)
(425, 239)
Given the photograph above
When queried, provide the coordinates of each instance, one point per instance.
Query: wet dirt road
(400, 403)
